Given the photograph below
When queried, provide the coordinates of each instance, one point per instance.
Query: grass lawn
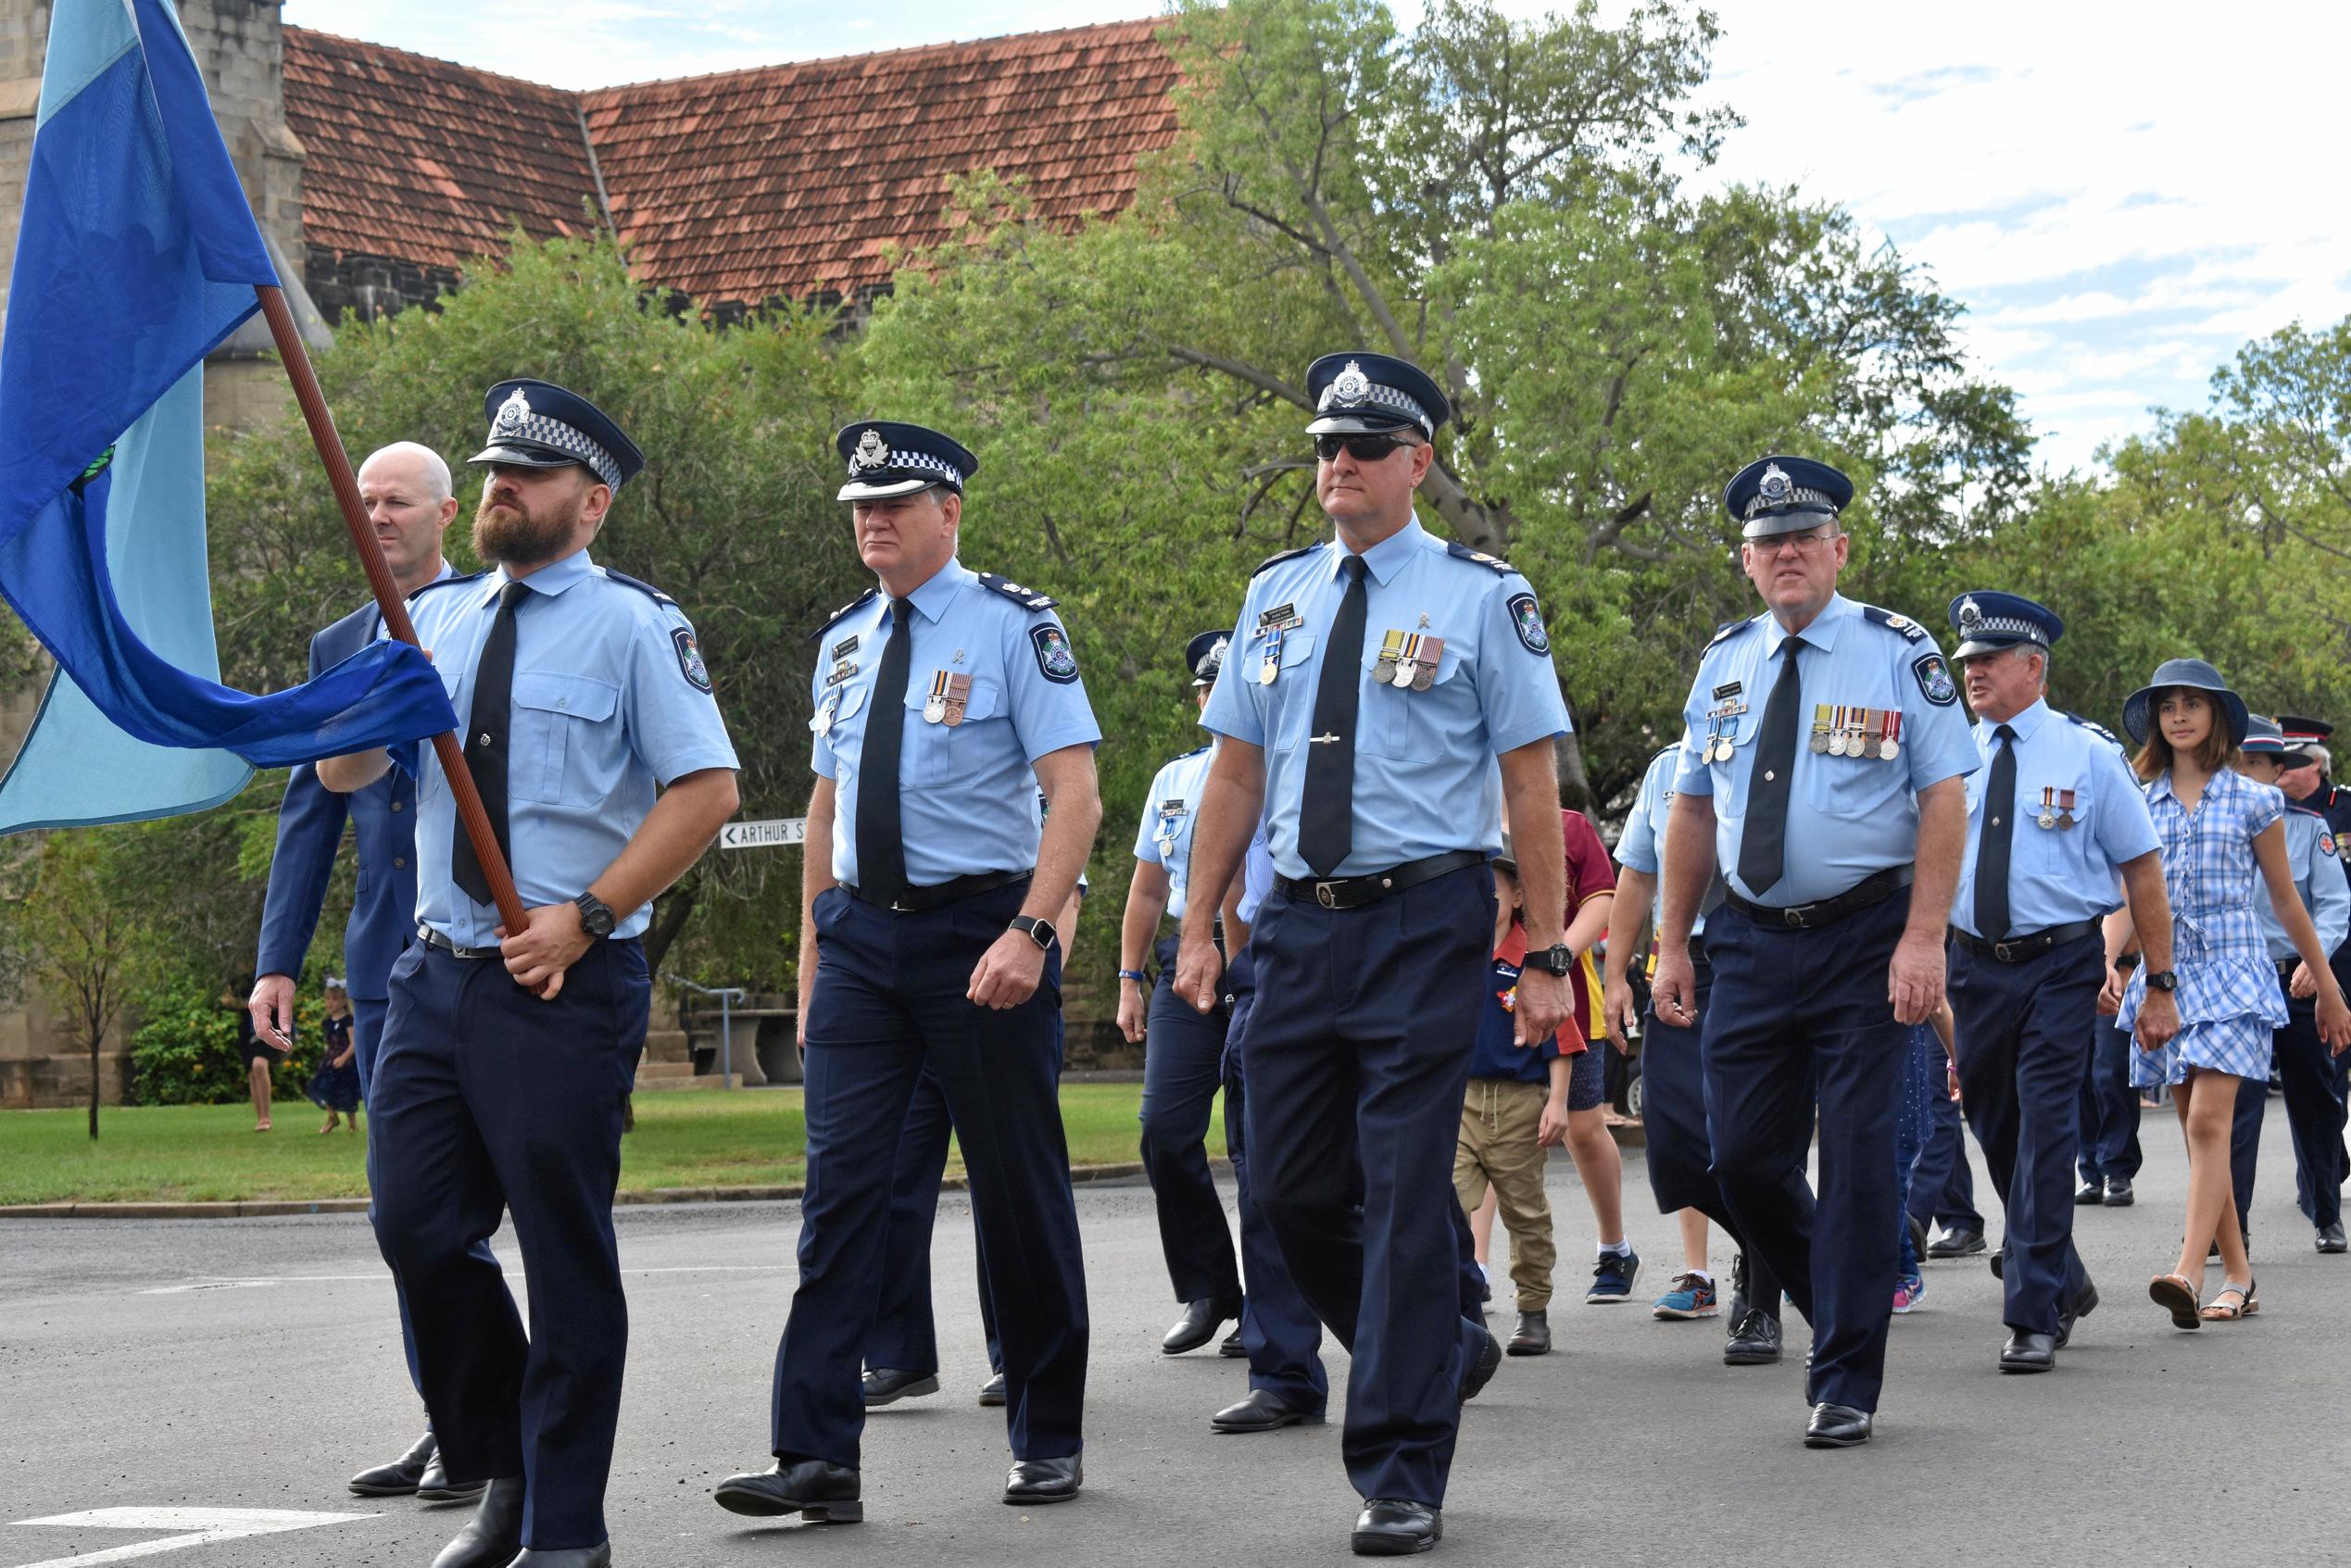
(747, 1138)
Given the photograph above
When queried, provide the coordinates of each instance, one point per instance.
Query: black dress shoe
(1044, 1480)
(599, 1556)
(1753, 1339)
(399, 1479)
(2119, 1193)
(1480, 1369)
(1263, 1411)
(1232, 1347)
(1532, 1337)
(1956, 1243)
(1836, 1426)
(885, 1387)
(992, 1391)
(494, 1535)
(2073, 1311)
(1199, 1324)
(435, 1485)
(2331, 1240)
(1394, 1527)
(2090, 1192)
(818, 1492)
(2028, 1352)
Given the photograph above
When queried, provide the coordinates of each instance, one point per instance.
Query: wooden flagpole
(470, 815)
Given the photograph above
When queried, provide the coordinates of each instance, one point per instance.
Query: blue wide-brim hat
(2197, 675)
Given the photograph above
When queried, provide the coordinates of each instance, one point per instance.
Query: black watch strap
(1040, 932)
(2163, 980)
(1557, 961)
(595, 916)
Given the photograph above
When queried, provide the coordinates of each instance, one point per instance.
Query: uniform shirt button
(399, 861)
(395, 805)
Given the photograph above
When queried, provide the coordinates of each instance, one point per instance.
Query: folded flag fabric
(136, 256)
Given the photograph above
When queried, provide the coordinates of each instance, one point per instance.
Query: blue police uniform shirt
(610, 701)
(2056, 874)
(1641, 845)
(2311, 853)
(967, 791)
(1426, 782)
(1848, 816)
(1257, 876)
(1165, 837)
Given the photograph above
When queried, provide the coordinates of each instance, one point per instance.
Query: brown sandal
(2222, 1309)
(2177, 1294)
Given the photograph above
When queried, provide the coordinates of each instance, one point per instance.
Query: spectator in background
(334, 1087)
(259, 1057)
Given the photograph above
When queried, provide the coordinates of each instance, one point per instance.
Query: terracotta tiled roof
(424, 161)
(745, 186)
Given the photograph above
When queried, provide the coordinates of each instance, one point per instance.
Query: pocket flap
(574, 696)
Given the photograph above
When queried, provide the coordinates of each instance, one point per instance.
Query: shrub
(187, 1050)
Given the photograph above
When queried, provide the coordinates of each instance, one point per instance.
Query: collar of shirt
(1513, 950)
(552, 578)
(2024, 725)
(1386, 559)
(1821, 634)
(937, 591)
(2228, 781)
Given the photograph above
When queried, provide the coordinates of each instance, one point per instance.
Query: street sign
(763, 835)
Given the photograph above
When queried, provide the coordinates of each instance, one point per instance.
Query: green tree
(87, 928)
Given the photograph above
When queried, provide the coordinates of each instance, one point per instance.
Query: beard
(518, 537)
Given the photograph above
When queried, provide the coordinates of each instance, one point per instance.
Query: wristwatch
(1558, 960)
(595, 916)
(2163, 980)
(1040, 932)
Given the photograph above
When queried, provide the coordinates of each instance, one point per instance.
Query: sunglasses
(1362, 448)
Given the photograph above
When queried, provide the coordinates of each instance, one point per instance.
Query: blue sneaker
(1613, 1280)
(1692, 1296)
(1909, 1291)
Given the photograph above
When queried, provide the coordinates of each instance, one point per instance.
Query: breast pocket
(1855, 786)
(941, 752)
(844, 731)
(1411, 725)
(553, 714)
(2056, 849)
(1290, 702)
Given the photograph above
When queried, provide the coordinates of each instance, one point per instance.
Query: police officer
(945, 700)
(2307, 1070)
(1185, 1048)
(2305, 784)
(605, 771)
(406, 490)
(2058, 836)
(1820, 770)
(1673, 1104)
(1373, 682)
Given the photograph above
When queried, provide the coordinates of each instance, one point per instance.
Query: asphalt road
(254, 1365)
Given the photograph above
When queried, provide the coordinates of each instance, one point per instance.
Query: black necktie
(881, 845)
(487, 742)
(1326, 825)
(1762, 847)
(1999, 833)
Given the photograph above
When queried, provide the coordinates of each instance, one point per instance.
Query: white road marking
(258, 1281)
(204, 1525)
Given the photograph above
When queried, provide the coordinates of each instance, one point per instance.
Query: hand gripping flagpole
(470, 815)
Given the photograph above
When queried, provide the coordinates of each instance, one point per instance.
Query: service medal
(958, 697)
(1392, 649)
(2065, 808)
(934, 709)
(1272, 664)
(1425, 675)
(1837, 743)
(824, 714)
(1890, 743)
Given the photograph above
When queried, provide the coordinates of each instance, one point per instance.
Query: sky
(2121, 196)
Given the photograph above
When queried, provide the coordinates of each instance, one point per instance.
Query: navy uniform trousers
(1183, 1057)
(367, 1039)
(2024, 1042)
(2312, 1081)
(1357, 1058)
(486, 1100)
(1278, 1329)
(2109, 1107)
(890, 1001)
(1676, 1125)
(1791, 1009)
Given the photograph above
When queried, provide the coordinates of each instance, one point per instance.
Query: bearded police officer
(944, 701)
(2059, 837)
(507, 1055)
(1373, 682)
(1183, 1047)
(1820, 769)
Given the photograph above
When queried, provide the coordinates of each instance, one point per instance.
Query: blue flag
(136, 256)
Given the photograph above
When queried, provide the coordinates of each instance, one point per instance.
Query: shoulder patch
(1527, 620)
(1287, 555)
(447, 582)
(648, 589)
(1054, 656)
(1460, 551)
(827, 624)
(1910, 629)
(689, 657)
(1729, 629)
(1934, 679)
(1027, 599)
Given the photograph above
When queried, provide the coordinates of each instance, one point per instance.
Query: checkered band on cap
(1974, 623)
(1352, 389)
(518, 420)
(922, 462)
(1786, 498)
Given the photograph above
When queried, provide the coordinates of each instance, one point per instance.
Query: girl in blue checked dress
(2219, 831)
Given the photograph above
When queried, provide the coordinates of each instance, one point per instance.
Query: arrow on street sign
(763, 835)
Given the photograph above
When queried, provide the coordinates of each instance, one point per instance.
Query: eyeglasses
(1806, 542)
(1362, 448)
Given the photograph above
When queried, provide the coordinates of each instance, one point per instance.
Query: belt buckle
(2005, 953)
(1327, 894)
(1794, 916)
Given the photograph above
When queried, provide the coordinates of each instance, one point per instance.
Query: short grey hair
(434, 466)
(2313, 752)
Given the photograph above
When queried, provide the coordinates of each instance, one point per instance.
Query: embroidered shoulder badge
(1910, 630)
(1054, 656)
(1934, 679)
(689, 658)
(1528, 618)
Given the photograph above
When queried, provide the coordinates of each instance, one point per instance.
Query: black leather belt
(913, 899)
(2286, 968)
(1355, 891)
(1873, 889)
(432, 938)
(2017, 949)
